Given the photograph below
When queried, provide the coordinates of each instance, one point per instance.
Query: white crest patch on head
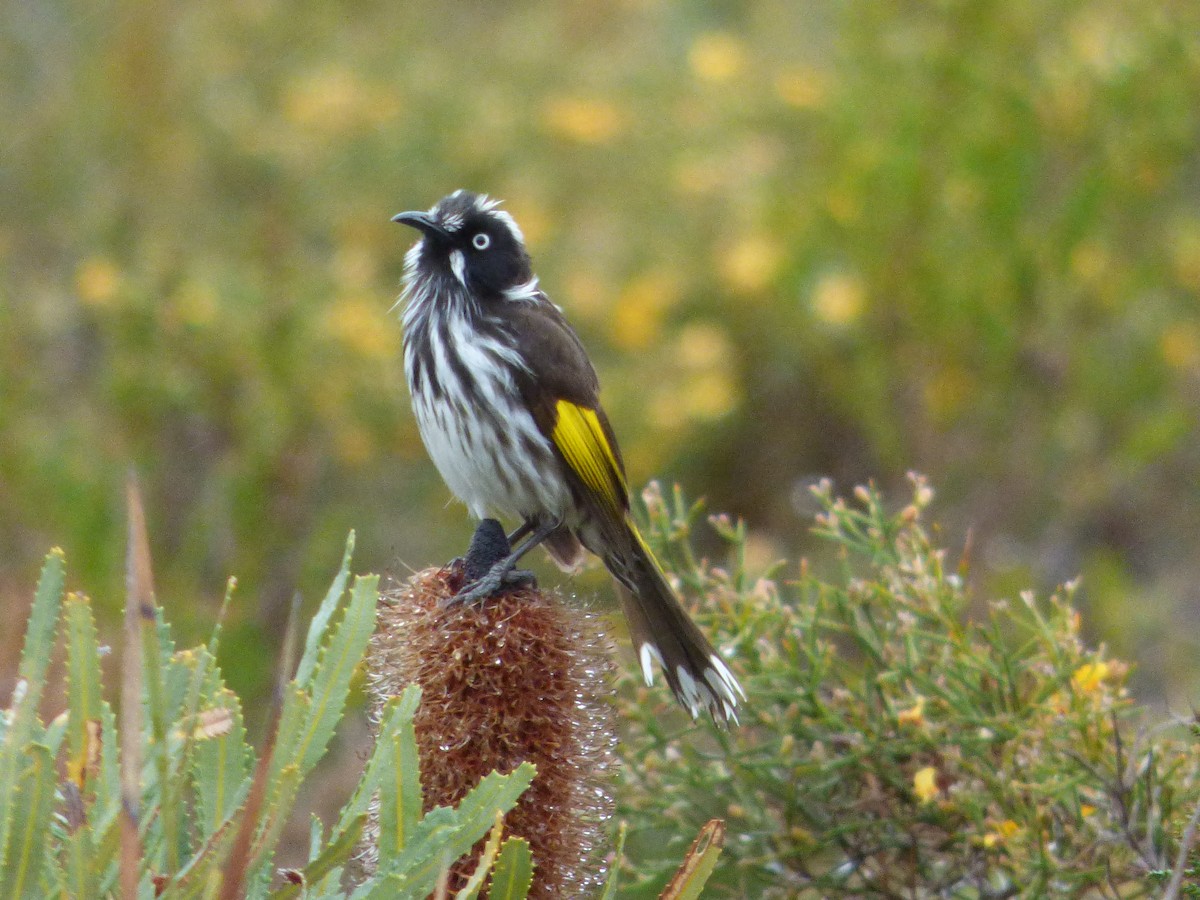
(486, 204)
(526, 292)
(458, 265)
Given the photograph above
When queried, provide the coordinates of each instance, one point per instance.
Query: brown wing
(559, 368)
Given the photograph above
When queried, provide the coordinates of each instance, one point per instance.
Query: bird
(507, 403)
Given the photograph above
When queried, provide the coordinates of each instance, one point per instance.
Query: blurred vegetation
(896, 746)
(843, 238)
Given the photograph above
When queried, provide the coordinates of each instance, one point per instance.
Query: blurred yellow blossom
(710, 395)
(638, 314)
(586, 295)
(583, 120)
(1000, 833)
(97, 281)
(335, 100)
(948, 391)
(355, 265)
(925, 785)
(839, 298)
(717, 56)
(1180, 345)
(803, 88)
(914, 715)
(354, 444)
(194, 304)
(1185, 255)
(1088, 677)
(751, 263)
(1086, 809)
(1090, 261)
(361, 324)
(844, 205)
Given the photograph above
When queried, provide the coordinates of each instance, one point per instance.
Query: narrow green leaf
(319, 626)
(330, 681)
(204, 869)
(513, 873)
(221, 766)
(614, 873)
(400, 795)
(487, 858)
(494, 792)
(39, 633)
(28, 838)
(698, 865)
(444, 835)
(275, 817)
(31, 681)
(337, 853)
(83, 691)
(82, 871)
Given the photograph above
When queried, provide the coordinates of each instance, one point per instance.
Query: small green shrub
(903, 738)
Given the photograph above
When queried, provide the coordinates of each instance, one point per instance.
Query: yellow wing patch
(580, 438)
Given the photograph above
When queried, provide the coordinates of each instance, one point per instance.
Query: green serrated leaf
(82, 875)
(512, 875)
(83, 690)
(318, 628)
(31, 674)
(474, 884)
(698, 865)
(444, 835)
(32, 804)
(614, 873)
(335, 854)
(275, 818)
(400, 795)
(221, 766)
(331, 678)
(201, 875)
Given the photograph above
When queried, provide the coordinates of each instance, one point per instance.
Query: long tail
(663, 632)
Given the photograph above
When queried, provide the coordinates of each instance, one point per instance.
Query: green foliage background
(846, 238)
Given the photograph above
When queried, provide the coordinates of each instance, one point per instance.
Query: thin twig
(1185, 848)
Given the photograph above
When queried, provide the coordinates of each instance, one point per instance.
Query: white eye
(481, 241)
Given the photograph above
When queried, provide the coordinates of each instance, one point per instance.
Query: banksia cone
(517, 677)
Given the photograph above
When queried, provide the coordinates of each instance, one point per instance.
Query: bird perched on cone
(508, 406)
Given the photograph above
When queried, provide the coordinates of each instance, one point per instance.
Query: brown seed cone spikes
(520, 676)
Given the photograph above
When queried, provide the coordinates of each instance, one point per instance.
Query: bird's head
(467, 237)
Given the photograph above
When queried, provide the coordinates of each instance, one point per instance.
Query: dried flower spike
(519, 677)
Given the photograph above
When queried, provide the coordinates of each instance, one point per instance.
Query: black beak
(422, 221)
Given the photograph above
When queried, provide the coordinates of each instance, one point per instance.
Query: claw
(499, 578)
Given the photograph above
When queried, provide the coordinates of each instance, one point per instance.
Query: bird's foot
(487, 568)
(499, 578)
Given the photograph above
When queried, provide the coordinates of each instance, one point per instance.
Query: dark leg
(520, 531)
(503, 572)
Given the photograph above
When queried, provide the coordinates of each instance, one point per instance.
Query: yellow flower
(1087, 678)
(751, 264)
(925, 785)
(1086, 809)
(1180, 345)
(717, 56)
(839, 298)
(585, 121)
(801, 88)
(914, 715)
(1002, 832)
(638, 314)
(97, 281)
(361, 324)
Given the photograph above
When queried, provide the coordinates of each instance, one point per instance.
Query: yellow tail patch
(581, 440)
